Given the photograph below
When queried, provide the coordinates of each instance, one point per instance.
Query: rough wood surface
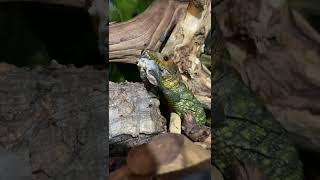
(133, 111)
(55, 119)
(134, 118)
(186, 44)
(277, 54)
(147, 30)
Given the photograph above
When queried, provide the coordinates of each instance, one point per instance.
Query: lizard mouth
(149, 69)
(144, 54)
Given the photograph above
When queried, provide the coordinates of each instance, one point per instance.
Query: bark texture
(134, 118)
(186, 44)
(277, 54)
(133, 111)
(55, 119)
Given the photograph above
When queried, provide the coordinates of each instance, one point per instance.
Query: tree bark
(277, 54)
(133, 112)
(134, 118)
(55, 118)
(186, 44)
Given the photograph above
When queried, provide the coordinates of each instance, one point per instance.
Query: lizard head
(153, 66)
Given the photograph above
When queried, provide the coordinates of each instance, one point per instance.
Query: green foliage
(114, 74)
(123, 10)
(120, 72)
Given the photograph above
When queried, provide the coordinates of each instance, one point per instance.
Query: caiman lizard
(244, 131)
(165, 75)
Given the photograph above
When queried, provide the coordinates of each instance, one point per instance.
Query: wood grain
(127, 39)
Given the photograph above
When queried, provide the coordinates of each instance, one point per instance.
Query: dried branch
(186, 43)
(127, 39)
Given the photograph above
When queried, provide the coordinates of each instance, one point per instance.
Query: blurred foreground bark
(55, 119)
(277, 54)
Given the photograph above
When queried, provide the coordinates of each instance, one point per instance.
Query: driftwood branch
(55, 119)
(186, 44)
(127, 39)
(190, 24)
(276, 52)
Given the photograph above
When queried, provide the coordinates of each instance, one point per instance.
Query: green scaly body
(179, 97)
(244, 130)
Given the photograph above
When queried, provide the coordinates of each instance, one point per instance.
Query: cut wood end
(196, 7)
(175, 123)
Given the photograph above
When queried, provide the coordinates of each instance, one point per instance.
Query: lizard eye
(166, 58)
(144, 53)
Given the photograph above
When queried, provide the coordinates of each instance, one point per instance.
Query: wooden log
(133, 113)
(134, 118)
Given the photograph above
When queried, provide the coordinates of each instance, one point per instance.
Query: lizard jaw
(148, 69)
